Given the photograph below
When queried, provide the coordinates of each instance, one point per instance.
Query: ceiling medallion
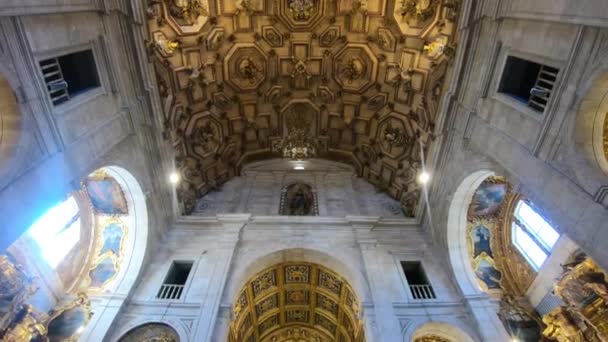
(248, 69)
(299, 143)
(353, 70)
(301, 9)
(418, 9)
(186, 12)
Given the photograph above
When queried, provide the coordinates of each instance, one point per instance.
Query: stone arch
(241, 273)
(457, 233)
(175, 325)
(105, 308)
(589, 148)
(443, 330)
(347, 267)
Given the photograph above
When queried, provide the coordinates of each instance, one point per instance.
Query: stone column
(205, 324)
(485, 311)
(381, 324)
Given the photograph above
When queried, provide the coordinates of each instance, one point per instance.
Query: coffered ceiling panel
(301, 299)
(350, 80)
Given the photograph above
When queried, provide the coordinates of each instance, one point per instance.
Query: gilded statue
(565, 325)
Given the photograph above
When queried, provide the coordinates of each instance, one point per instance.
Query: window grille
(69, 75)
(528, 82)
(175, 281)
(419, 285)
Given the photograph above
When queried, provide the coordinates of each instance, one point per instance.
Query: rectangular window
(533, 236)
(176, 278)
(57, 231)
(528, 82)
(419, 284)
(69, 75)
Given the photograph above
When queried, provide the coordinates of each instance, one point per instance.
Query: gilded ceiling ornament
(435, 48)
(353, 70)
(186, 12)
(360, 6)
(299, 68)
(417, 9)
(244, 5)
(205, 137)
(164, 45)
(299, 142)
(248, 69)
(301, 9)
(403, 77)
(394, 136)
(199, 75)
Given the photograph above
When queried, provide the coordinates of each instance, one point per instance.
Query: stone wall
(228, 250)
(338, 190)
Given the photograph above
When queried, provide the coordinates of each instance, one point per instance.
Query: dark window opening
(528, 82)
(176, 278)
(69, 75)
(419, 284)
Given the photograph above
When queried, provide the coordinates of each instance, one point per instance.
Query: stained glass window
(57, 231)
(532, 234)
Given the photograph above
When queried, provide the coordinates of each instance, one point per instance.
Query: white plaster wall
(257, 191)
(228, 250)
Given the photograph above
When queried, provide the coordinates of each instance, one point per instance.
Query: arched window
(533, 236)
(57, 231)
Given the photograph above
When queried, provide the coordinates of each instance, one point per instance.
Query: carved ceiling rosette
(204, 134)
(301, 15)
(357, 67)
(245, 67)
(186, 16)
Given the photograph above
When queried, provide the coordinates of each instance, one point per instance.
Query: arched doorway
(296, 301)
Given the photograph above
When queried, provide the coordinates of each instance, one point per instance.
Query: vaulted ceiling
(351, 80)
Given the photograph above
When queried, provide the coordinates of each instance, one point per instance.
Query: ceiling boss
(301, 9)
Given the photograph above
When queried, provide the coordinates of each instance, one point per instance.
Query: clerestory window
(57, 231)
(533, 236)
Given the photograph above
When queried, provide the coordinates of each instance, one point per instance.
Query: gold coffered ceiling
(296, 302)
(359, 81)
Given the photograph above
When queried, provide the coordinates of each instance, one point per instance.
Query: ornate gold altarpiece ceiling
(358, 81)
